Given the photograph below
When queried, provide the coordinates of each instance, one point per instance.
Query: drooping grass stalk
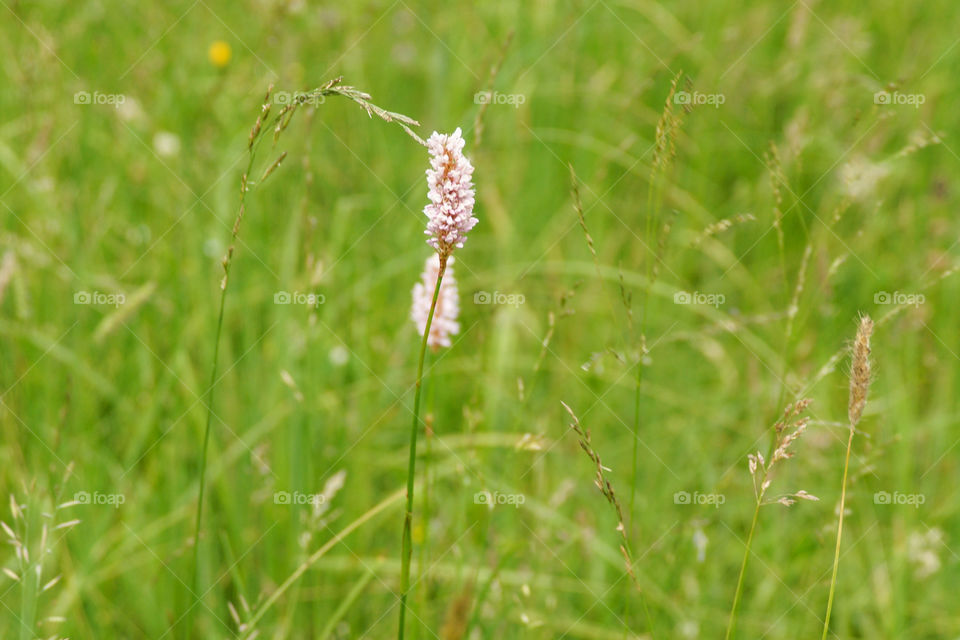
(859, 383)
(407, 543)
(606, 489)
(625, 298)
(278, 125)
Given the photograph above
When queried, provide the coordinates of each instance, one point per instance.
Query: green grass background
(88, 204)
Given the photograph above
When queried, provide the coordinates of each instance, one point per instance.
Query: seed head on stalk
(860, 371)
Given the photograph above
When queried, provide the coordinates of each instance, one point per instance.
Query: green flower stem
(407, 547)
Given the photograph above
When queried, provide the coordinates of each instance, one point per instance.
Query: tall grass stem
(836, 552)
(743, 570)
(194, 583)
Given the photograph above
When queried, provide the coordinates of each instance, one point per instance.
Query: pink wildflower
(451, 193)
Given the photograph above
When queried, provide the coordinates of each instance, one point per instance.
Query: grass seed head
(860, 371)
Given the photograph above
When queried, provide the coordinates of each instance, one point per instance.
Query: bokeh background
(123, 136)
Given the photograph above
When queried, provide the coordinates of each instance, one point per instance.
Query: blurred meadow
(721, 238)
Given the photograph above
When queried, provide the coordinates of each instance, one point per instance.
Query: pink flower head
(448, 303)
(450, 178)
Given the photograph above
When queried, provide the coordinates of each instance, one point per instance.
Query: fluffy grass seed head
(444, 322)
(450, 179)
(860, 371)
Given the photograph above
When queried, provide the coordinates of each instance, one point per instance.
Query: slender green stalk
(28, 608)
(206, 445)
(860, 371)
(206, 435)
(195, 586)
(423, 592)
(743, 570)
(407, 544)
(29, 578)
(666, 128)
(759, 465)
(245, 186)
(836, 552)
